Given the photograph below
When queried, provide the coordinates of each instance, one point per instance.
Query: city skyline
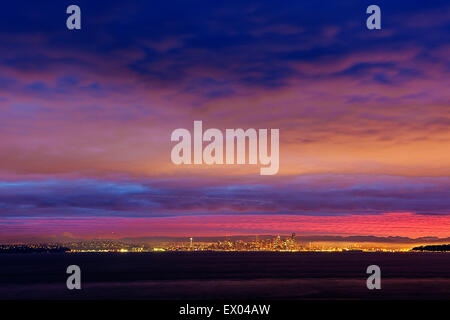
(256, 243)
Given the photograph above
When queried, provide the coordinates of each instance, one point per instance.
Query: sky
(86, 118)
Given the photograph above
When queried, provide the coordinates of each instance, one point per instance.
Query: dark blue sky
(244, 36)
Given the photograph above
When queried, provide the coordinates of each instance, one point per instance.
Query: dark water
(225, 275)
